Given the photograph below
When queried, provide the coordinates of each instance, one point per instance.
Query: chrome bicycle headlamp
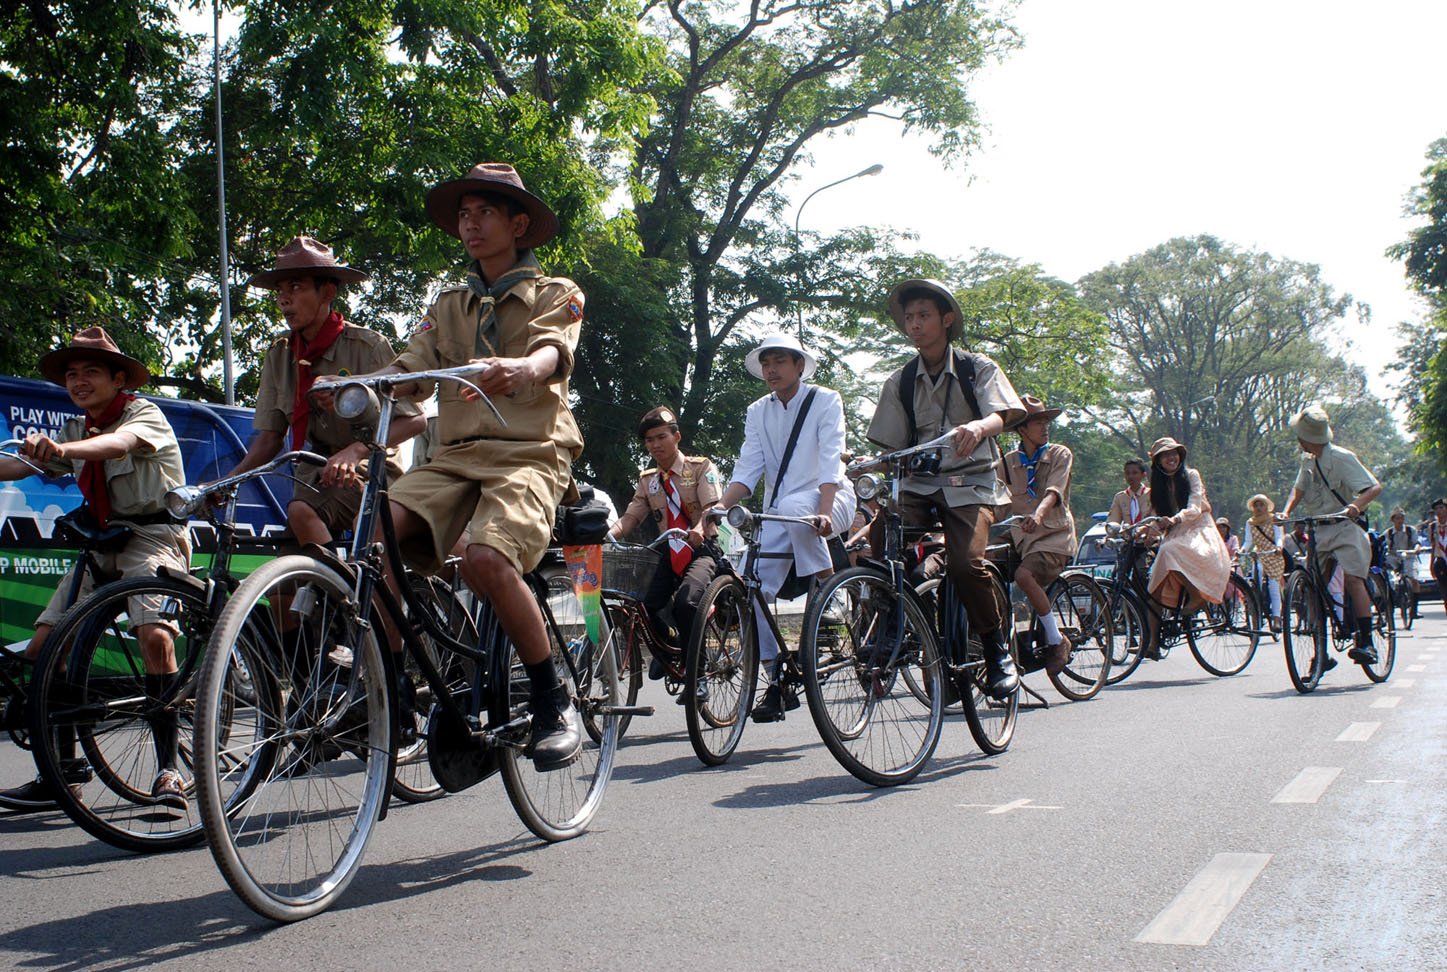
(868, 486)
(357, 403)
(739, 517)
(183, 501)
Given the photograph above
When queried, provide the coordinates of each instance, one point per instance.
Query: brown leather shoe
(1056, 657)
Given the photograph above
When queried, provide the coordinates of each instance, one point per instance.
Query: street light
(872, 170)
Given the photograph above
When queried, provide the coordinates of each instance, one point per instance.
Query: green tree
(1424, 256)
(1219, 347)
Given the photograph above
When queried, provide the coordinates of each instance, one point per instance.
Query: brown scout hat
(499, 178)
(1167, 444)
(305, 257)
(93, 344)
(1034, 409)
(896, 303)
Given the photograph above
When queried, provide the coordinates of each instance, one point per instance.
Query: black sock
(163, 721)
(543, 678)
(1364, 632)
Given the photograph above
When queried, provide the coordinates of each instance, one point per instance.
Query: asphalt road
(1178, 821)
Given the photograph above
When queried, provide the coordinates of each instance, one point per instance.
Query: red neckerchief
(305, 355)
(93, 473)
(679, 553)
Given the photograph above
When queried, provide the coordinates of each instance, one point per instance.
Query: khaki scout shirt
(356, 351)
(137, 481)
(1344, 472)
(697, 482)
(1056, 533)
(1120, 506)
(940, 405)
(532, 315)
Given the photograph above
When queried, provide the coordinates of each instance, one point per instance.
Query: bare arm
(111, 445)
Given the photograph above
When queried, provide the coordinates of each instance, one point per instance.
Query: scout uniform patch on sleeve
(575, 307)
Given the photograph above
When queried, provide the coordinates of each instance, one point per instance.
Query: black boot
(1001, 679)
(557, 734)
(1363, 652)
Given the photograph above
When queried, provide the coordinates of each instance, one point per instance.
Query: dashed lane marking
(1404, 683)
(1358, 732)
(1193, 917)
(1416, 668)
(1308, 786)
(1386, 702)
(1026, 804)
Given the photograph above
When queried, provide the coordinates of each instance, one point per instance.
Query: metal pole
(872, 170)
(228, 372)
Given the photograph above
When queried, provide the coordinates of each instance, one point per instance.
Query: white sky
(1291, 127)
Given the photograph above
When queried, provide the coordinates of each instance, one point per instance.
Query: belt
(145, 519)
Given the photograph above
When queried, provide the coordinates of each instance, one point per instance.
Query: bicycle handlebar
(12, 444)
(183, 501)
(390, 381)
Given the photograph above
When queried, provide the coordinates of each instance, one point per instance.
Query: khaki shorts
(1347, 544)
(148, 550)
(335, 506)
(1045, 566)
(505, 494)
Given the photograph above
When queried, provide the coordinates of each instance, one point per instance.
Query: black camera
(925, 463)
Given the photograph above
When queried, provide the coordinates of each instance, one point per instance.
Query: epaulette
(453, 289)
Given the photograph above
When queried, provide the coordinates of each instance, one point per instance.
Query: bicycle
(1404, 597)
(324, 754)
(1255, 577)
(1311, 624)
(721, 665)
(1222, 637)
(874, 672)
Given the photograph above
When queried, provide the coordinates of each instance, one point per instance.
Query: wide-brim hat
(1166, 444)
(502, 179)
(305, 256)
(1270, 506)
(1311, 424)
(93, 344)
(780, 342)
(1034, 409)
(896, 303)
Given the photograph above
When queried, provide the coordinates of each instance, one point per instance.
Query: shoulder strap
(793, 441)
(1328, 485)
(964, 371)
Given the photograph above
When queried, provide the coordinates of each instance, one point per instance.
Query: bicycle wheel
(860, 638)
(1384, 633)
(723, 658)
(1224, 636)
(96, 715)
(1129, 633)
(1082, 613)
(991, 721)
(289, 803)
(625, 641)
(1406, 600)
(558, 804)
(1303, 631)
(413, 781)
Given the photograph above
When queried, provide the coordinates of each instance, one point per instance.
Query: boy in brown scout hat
(676, 492)
(501, 482)
(945, 390)
(125, 456)
(1038, 477)
(305, 281)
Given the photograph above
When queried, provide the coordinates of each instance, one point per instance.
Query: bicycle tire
(1090, 631)
(90, 704)
(290, 808)
(1129, 629)
(1224, 636)
(991, 721)
(1303, 632)
(1384, 634)
(868, 714)
(624, 638)
(413, 781)
(1405, 600)
(723, 656)
(558, 804)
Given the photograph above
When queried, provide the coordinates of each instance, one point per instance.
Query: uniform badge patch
(575, 308)
(343, 372)
(426, 326)
(653, 485)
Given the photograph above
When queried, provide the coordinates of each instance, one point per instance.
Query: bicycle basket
(629, 570)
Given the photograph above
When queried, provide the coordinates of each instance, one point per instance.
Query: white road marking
(1012, 805)
(1386, 702)
(1308, 786)
(1428, 656)
(1385, 781)
(1193, 917)
(1358, 732)
(1416, 668)
(1404, 683)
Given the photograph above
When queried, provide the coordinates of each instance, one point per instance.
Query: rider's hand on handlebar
(344, 468)
(967, 437)
(1030, 523)
(500, 376)
(42, 448)
(822, 524)
(322, 399)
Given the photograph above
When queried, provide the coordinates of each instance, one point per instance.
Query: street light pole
(872, 170)
(228, 373)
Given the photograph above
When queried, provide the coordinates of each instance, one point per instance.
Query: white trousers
(808, 552)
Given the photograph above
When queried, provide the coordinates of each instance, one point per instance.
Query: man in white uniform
(812, 483)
